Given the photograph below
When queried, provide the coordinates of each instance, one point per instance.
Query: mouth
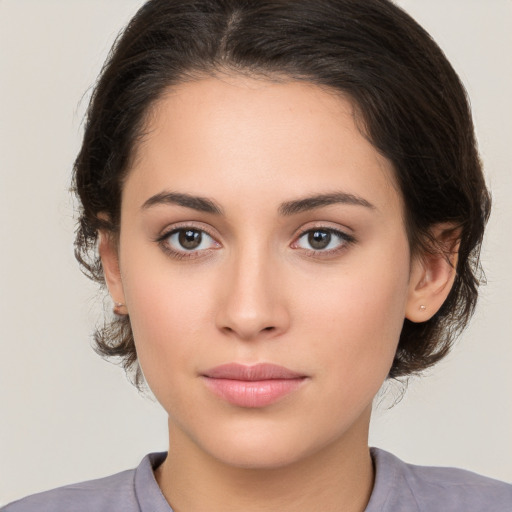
(252, 386)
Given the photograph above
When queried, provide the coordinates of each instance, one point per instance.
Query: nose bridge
(252, 303)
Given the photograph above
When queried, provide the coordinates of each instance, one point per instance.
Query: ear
(433, 273)
(108, 250)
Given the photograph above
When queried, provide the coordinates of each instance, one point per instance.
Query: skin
(257, 291)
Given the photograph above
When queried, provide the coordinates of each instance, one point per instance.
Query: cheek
(168, 311)
(356, 318)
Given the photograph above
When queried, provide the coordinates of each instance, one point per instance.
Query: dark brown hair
(412, 105)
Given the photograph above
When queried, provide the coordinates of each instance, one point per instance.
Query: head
(399, 103)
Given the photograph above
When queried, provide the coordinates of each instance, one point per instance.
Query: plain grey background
(65, 415)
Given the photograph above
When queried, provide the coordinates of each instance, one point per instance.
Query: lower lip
(259, 393)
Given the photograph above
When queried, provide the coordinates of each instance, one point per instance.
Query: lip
(252, 386)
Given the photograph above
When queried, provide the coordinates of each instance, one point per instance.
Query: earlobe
(107, 248)
(432, 275)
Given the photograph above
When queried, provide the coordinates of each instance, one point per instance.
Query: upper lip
(261, 371)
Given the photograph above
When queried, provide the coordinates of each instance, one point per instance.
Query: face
(265, 267)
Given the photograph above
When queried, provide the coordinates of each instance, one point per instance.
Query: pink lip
(252, 386)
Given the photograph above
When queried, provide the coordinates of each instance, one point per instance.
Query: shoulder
(458, 489)
(100, 494)
(112, 493)
(436, 488)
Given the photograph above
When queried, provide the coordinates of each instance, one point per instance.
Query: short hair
(410, 102)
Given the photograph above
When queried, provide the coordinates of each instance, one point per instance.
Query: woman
(287, 206)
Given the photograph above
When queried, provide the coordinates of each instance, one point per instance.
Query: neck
(339, 477)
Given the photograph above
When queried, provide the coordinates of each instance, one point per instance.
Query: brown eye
(323, 241)
(189, 239)
(319, 239)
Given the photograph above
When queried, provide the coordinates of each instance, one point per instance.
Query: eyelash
(181, 255)
(345, 241)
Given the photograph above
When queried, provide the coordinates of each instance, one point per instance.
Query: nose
(253, 303)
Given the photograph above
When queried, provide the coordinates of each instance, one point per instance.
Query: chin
(263, 446)
(258, 457)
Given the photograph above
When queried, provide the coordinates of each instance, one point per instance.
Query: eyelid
(162, 238)
(344, 231)
(198, 226)
(347, 239)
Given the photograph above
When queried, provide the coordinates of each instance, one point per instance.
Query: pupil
(190, 239)
(319, 239)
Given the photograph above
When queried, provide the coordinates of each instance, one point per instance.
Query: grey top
(399, 487)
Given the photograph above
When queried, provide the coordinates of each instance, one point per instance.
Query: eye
(187, 242)
(325, 240)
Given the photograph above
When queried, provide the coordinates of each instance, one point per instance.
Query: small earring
(117, 308)
(423, 308)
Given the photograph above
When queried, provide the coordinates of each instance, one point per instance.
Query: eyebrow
(201, 204)
(321, 200)
(288, 208)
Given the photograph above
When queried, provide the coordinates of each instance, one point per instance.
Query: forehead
(256, 136)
